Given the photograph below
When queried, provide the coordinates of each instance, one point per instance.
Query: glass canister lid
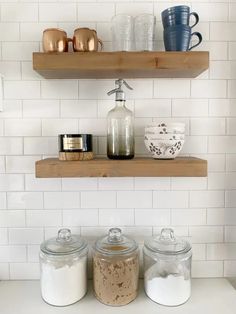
(166, 243)
(115, 243)
(65, 243)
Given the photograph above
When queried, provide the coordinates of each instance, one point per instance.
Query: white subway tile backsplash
(207, 126)
(206, 234)
(204, 11)
(229, 268)
(222, 31)
(79, 184)
(11, 182)
(89, 12)
(59, 89)
(19, 12)
(232, 89)
(203, 199)
(190, 107)
(26, 235)
(134, 9)
(87, 126)
(208, 88)
(4, 271)
(230, 235)
(172, 88)
(21, 164)
(41, 108)
(3, 200)
(81, 217)
(24, 271)
(41, 145)
(151, 183)
(33, 31)
(43, 218)
(211, 269)
(215, 216)
(3, 236)
(10, 70)
(115, 184)
(21, 90)
(116, 217)
(188, 217)
(33, 253)
(134, 199)
(231, 162)
(52, 12)
(18, 51)
(222, 144)
(12, 218)
(9, 31)
(23, 127)
(230, 213)
(170, 199)
(78, 109)
(61, 200)
(222, 107)
(12, 254)
(221, 251)
(53, 127)
(232, 51)
(150, 108)
(25, 200)
(152, 217)
(190, 183)
(35, 184)
(199, 251)
(101, 199)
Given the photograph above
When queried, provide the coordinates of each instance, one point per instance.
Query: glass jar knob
(114, 235)
(167, 234)
(64, 235)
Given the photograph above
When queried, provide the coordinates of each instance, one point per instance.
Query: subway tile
(190, 107)
(23, 127)
(116, 217)
(87, 126)
(151, 183)
(216, 181)
(10, 70)
(61, 200)
(169, 88)
(19, 12)
(101, 199)
(208, 88)
(33, 31)
(221, 251)
(149, 108)
(3, 200)
(188, 217)
(115, 184)
(35, 184)
(12, 218)
(53, 127)
(95, 89)
(222, 70)
(52, 12)
(79, 184)
(11, 182)
(43, 218)
(203, 199)
(88, 217)
(78, 108)
(59, 89)
(9, 31)
(21, 164)
(206, 234)
(41, 108)
(26, 235)
(204, 10)
(88, 12)
(232, 12)
(215, 216)
(24, 271)
(232, 88)
(4, 271)
(12, 254)
(3, 236)
(41, 145)
(230, 235)
(190, 183)
(199, 251)
(134, 199)
(207, 126)
(18, 51)
(230, 213)
(21, 89)
(139, 125)
(222, 107)
(218, 50)
(180, 231)
(104, 106)
(222, 31)
(232, 50)
(33, 253)
(210, 269)
(28, 73)
(229, 268)
(25, 200)
(134, 9)
(11, 109)
(170, 199)
(216, 162)
(231, 128)
(231, 162)
(152, 217)
(222, 144)
(2, 164)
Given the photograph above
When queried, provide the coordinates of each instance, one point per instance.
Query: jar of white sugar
(63, 262)
(167, 269)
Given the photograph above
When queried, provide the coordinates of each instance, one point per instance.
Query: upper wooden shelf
(76, 65)
(138, 167)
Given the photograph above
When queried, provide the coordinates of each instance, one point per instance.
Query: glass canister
(63, 263)
(167, 269)
(115, 269)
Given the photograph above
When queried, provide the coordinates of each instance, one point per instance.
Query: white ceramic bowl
(164, 130)
(164, 149)
(164, 136)
(166, 124)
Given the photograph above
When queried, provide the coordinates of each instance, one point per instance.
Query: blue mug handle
(199, 39)
(196, 18)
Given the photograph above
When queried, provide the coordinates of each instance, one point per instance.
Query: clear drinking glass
(122, 32)
(144, 30)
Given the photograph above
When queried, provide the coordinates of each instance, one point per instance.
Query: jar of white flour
(63, 262)
(167, 269)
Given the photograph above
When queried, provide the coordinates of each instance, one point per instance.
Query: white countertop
(211, 296)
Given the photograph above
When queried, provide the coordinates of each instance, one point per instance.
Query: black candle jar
(75, 142)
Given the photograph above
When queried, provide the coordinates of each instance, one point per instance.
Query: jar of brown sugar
(115, 269)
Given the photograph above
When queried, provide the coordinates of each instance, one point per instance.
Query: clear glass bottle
(167, 269)
(120, 126)
(63, 264)
(115, 269)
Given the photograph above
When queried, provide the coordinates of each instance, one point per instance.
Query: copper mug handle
(101, 43)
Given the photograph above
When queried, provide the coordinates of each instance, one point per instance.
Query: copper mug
(55, 40)
(86, 39)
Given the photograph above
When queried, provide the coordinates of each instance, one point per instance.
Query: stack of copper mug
(84, 39)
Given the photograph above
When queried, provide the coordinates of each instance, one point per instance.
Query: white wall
(37, 110)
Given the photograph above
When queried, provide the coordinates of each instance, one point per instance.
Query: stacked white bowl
(164, 140)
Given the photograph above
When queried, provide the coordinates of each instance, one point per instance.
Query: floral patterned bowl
(165, 137)
(164, 149)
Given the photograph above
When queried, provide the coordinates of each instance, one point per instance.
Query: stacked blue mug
(177, 30)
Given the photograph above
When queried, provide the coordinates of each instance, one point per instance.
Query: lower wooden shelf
(138, 167)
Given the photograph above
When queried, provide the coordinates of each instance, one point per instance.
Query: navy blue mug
(178, 15)
(177, 38)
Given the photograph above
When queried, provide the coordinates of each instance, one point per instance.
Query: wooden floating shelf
(138, 167)
(92, 65)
